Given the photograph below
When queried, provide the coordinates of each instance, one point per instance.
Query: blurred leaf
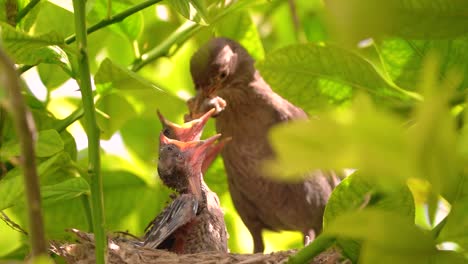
(354, 20)
(433, 136)
(130, 27)
(51, 18)
(240, 27)
(308, 73)
(65, 190)
(48, 143)
(362, 137)
(192, 10)
(26, 49)
(120, 77)
(115, 111)
(141, 136)
(456, 228)
(51, 76)
(403, 59)
(394, 233)
(12, 187)
(356, 192)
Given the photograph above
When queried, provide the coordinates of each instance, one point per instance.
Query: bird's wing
(180, 212)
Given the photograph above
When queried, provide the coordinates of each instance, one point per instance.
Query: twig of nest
(126, 250)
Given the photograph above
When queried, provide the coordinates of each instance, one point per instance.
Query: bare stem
(92, 132)
(24, 125)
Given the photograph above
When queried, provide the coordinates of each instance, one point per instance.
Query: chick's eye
(167, 132)
(223, 75)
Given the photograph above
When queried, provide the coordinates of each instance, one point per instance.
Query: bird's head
(215, 68)
(180, 162)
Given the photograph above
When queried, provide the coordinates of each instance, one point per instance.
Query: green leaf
(48, 143)
(309, 75)
(456, 228)
(240, 27)
(404, 59)
(12, 186)
(388, 231)
(52, 76)
(362, 137)
(193, 10)
(26, 49)
(65, 190)
(130, 27)
(356, 192)
(354, 20)
(141, 136)
(115, 111)
(52, 18)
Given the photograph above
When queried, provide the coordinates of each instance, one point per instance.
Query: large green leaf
(193, 10)
(391, 232)
(404, 59)
(12, 185)
(130, 27)
(354, 20)
(356, 192)
(240, 27)
(115, 111)
(48, 143)
(26, 49)
(456, 228)
(362, 137)
(309, 74)
(65, 190)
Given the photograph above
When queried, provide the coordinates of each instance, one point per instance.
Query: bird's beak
(188, 131)
(213, 152)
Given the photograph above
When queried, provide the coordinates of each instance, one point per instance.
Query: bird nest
(123, 250)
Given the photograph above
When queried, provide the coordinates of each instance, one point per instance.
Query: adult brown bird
(194, 221)
(246, 108)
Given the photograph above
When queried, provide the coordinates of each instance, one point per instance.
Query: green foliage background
(385, 85)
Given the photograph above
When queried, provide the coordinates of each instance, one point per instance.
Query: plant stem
(92, 132)
(114, 19)
(64, 123)
(184, 32)
(24, 125)
(305, 255)
(26, 9)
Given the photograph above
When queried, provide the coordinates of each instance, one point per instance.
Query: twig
(64, 123)
(25, 130)
(26, 10)
(114, 19)
(92, 132)
(12, 224)
(305, 255)
(103, 23)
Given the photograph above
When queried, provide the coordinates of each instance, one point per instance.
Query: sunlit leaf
(114, 112)
(48, 143)
(12, 185)
(193, 10)
(309, 74)
(240, 27)
(354, 20)
(372, 141)
(26, 49)
(456, 228)
(403, 59)
(65, 190)
(356, 192)
(376, 228)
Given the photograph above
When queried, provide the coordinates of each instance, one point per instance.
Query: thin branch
(25, 130)
(307, 254)
(26, 10)
(11, 223)
(114, 19)
(184, 32)
(64, 123)
(104, 23)
(92, 132)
